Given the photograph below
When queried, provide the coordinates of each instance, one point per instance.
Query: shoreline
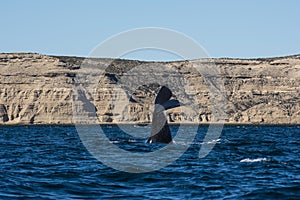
(149, 124)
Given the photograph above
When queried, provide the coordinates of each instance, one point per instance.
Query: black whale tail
(160, 130)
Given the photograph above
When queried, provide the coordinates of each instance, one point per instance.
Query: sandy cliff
(38, 89)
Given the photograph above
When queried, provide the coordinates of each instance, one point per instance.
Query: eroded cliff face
(38, 89)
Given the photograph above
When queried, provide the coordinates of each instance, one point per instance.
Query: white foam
(254, 160)
(114, 142)
(199, 143)
(213, 141)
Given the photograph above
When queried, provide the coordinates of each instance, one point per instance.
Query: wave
(254, 160)
(173, 142)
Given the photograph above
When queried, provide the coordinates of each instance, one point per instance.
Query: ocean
(247, 162)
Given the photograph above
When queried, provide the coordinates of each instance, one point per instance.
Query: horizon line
(136, 59)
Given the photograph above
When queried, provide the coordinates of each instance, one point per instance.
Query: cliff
(38, 89)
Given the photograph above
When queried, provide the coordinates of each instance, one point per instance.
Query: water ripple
(248, 162)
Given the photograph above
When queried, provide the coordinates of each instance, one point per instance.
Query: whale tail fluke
(160, 130)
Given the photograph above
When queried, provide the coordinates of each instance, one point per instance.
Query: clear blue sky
(225, 28)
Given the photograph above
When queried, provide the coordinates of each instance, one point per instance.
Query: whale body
(160, 130)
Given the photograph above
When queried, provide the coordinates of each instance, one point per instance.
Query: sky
(224, 28)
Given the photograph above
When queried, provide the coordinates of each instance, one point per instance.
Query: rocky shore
(39, 89)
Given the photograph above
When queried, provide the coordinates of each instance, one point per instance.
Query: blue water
(248, 162)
